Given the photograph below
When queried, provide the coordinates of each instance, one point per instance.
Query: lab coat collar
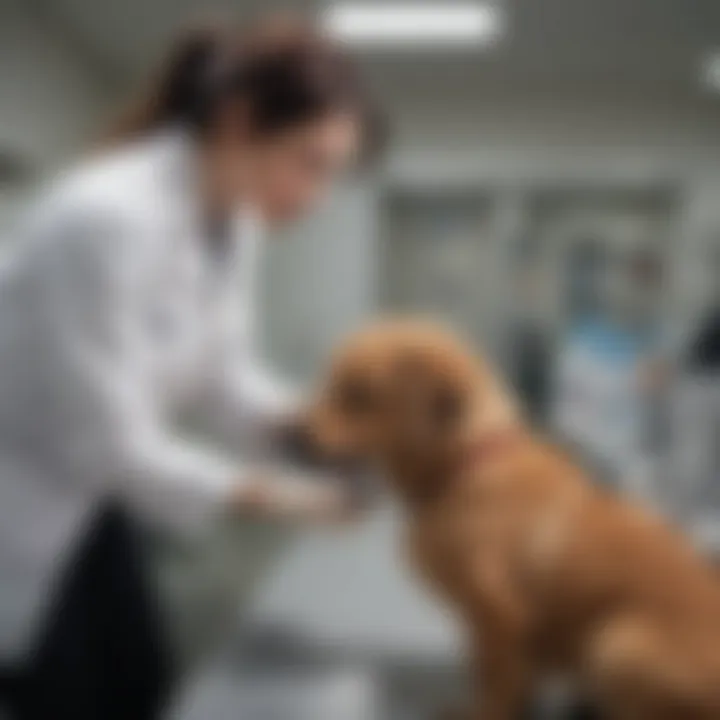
(177, 156)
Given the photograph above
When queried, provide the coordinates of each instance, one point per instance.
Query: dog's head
(409, 398)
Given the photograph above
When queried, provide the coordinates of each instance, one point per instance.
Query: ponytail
(175, 89)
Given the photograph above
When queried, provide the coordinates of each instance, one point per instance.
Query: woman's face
(286, 174)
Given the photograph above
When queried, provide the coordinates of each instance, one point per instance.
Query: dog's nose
(295, 443)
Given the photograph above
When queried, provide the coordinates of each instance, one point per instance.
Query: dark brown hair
(287, 73)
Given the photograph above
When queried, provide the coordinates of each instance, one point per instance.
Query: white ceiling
(633, 43)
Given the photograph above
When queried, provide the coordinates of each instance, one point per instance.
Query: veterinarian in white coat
(126, 300)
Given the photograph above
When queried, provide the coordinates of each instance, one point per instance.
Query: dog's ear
(430, 414)
(447, 406)
(428, 407)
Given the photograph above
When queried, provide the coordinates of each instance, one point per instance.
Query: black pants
(101, 654)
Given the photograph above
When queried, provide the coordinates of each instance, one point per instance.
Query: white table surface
(350, 588)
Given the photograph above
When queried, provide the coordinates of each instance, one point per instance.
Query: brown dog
(549, 573)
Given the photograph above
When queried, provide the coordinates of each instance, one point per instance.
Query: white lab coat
(113, 319)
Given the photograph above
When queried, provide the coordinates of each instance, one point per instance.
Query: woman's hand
(295, 499)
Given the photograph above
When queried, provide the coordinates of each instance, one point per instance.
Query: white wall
(48, 102)
(320, 280)
(326, 282)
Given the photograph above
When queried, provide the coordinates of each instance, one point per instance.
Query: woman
(126, 302)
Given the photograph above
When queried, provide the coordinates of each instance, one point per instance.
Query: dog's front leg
(501, 677)
(501, 664)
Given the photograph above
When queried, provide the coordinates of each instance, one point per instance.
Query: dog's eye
(355, 398)
(446, 407)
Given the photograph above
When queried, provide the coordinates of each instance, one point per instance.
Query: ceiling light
(403, 24)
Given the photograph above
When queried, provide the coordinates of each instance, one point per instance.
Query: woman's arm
(246, 397)
(116, 434)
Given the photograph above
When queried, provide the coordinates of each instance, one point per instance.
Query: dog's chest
(437, 563)
(441, 548)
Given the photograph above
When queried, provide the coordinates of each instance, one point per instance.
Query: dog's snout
(296, 443)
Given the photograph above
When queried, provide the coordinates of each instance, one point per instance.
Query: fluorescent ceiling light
(398, 24)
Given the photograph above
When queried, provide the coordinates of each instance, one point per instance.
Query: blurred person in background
(529, 353)
(607, 367)
(696, 419)
(127, 300)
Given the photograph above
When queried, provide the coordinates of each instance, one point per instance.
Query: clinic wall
(327, 281)
(515, 141)
(49, 103)
(320, 281)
